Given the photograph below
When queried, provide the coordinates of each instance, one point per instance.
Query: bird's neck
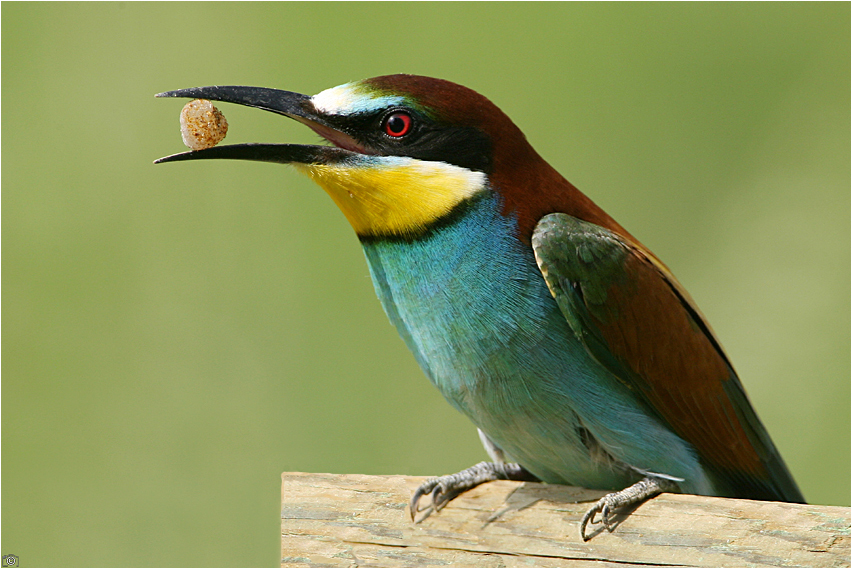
(461, 294)
(531, 188)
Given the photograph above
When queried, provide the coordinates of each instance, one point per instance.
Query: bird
(569, 345)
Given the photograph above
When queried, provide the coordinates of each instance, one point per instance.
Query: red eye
(397, 124)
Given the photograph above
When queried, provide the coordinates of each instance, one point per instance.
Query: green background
(176, 336)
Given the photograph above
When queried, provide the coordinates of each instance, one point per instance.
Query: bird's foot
(646, 488)
(445, 488)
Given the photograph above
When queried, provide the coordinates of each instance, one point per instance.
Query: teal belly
(471, 304)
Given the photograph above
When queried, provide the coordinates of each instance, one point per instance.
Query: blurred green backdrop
(176, 336)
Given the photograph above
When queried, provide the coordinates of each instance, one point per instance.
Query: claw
(635, 494)
(412, 505)
(443, 489)
(604, 508)
(436, 496)
(589, 517)
(442, 495)
(422, 490)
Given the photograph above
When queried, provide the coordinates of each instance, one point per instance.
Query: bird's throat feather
(395, 196)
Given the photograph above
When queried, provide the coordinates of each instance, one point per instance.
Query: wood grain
(350, 520)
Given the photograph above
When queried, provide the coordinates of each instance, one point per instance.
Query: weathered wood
(332, 520)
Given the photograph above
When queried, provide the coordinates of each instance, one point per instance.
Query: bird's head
(408, 152)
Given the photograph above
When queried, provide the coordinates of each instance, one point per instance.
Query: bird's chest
(471, 304)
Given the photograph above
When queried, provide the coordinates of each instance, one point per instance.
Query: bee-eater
(570, 346)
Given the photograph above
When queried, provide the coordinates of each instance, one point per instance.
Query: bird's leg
(646, 488)
(445, 488)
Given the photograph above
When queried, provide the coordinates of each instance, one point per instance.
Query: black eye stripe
(427, 139)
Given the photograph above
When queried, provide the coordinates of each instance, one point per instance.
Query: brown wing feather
(636, 319)
(682, 369)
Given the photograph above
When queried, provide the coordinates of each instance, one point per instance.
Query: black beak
(287, 103)
(284, 103)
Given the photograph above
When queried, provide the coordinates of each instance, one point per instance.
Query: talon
(439, 497)
(414, 505)
(436, 492)
(635, 494)
(605, 511)
(444, 488)
(588, 518)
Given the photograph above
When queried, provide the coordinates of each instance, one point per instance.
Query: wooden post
(350, 520)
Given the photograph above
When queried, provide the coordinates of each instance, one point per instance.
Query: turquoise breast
(470, 302)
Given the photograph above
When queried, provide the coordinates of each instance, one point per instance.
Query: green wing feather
(634, 318)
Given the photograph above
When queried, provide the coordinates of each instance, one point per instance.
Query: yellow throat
(395, 196)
